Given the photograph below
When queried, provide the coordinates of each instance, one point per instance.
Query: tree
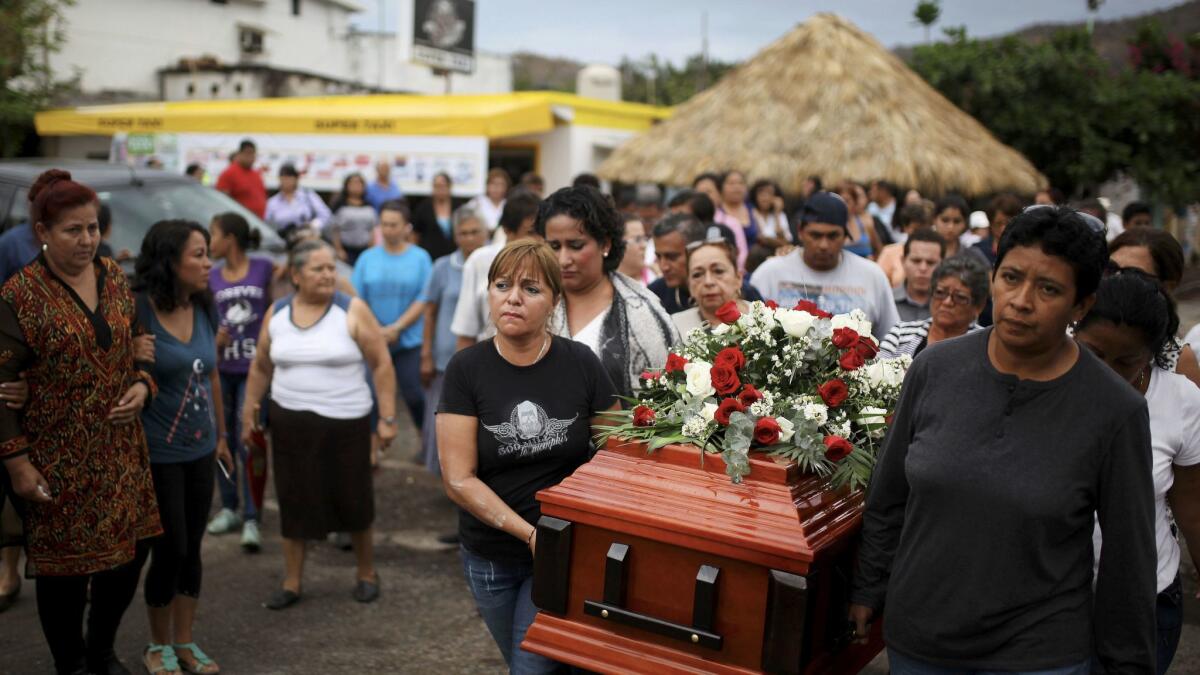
(927, 13)
(1061, 105)
(650, 80)
(30, 30)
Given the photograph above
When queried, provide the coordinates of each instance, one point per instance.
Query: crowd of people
(507, 324)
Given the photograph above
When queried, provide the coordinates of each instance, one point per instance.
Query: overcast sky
(603, 31)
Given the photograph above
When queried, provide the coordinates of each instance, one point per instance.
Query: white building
(228, 49)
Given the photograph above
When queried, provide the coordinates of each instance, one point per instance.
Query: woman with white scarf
(618, 318)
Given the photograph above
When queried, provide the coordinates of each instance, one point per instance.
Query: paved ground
(424, 623)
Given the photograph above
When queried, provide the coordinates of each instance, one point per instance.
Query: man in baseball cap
(821, 273)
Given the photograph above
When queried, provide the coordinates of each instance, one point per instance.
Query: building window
(295, 7)
(191, 89)
(250, 40)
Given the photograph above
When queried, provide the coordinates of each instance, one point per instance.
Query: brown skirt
(322, 473)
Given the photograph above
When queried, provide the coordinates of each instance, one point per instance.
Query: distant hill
(533, 71)
(1110, 37)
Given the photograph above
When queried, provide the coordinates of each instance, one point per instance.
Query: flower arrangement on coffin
(799, 383)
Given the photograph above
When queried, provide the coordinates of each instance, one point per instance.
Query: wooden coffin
(658, 563)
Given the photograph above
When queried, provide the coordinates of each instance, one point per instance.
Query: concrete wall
(118, 46)
(568, 151)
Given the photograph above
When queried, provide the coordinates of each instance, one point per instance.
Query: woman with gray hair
(960, 292)
(311, 355)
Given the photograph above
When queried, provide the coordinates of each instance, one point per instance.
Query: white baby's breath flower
(818, 413)
(694, 427)
(760, 408)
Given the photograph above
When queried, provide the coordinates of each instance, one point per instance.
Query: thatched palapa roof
(825, 99)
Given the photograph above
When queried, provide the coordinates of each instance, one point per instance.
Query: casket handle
(704, 603)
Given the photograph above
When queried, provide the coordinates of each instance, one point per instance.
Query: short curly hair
(1061, 232)
(593, 210)
(156, 272)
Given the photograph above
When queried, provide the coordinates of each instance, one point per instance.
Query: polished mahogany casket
(658, 563)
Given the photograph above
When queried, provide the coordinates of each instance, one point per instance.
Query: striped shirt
(908, 338)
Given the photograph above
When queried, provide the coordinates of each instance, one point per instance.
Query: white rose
(877, 373)
(786, 429)
(708, 411)
(699, 381)
(872, 415)
(722, 329)
(856, 320)
(795, 323)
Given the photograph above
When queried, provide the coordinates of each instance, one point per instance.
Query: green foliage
(1061, 105)
(29, 31)
(662, 83)
(927, 13)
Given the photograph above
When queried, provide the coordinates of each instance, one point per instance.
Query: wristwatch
(390, 421)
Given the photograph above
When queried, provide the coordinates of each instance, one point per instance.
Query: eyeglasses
(1111, 269)
(943, 295)
(641, 239)
(1094, 224)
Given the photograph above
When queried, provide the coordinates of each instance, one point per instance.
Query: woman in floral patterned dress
(77, 457)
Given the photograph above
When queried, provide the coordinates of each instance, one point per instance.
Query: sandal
(199, 663)
(169, 664)
(282, 599)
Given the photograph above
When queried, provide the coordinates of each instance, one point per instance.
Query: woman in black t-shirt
(517, 415)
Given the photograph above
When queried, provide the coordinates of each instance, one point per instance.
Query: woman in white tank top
(315, 351)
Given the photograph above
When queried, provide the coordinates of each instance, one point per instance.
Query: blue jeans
(1169, 614)
(408, 381)
(903, 665)
(502, 595)
(233, 395)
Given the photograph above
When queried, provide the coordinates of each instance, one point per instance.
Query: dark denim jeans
(233, 395)
(1170, 624)
(408, 383)
(903, 665)
(502, 595)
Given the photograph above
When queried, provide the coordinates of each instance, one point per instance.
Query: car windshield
(136, 208)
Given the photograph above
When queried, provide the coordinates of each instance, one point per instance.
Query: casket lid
(777, 516)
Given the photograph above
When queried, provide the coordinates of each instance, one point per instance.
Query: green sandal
(203, 663)
(169, 665)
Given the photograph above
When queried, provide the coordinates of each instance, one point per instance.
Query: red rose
(727, 408)
(851, 360)
(724, 379)
(675, 363)
(844, 338)
(772, 304)
(728, 312)
(732, 357)
(866, 348)
(766, 431)
(833, 392)
(837, 448)
(651, 374)
(643, 416)
(749, 395)
(811, 308)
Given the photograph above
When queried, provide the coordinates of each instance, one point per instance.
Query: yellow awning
(491, 115)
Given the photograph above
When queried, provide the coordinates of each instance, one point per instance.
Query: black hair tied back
(1137, 300)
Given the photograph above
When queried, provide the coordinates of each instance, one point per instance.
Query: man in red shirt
(240, 181)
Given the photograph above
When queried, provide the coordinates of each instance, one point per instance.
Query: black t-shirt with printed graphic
(534, 428)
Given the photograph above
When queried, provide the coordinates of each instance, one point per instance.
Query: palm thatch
(825, 99)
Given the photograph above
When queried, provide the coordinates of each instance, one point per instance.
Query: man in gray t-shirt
(820, 273)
